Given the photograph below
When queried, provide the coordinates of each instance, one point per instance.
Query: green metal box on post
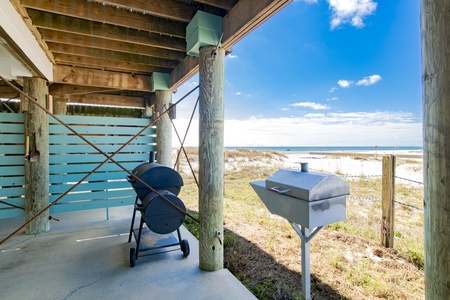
(204, 29)
(160, 81)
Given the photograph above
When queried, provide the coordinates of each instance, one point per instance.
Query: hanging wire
(183, 141)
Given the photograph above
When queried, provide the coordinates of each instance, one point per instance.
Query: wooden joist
(110, 15)
(106, 31)
(105, 99)
(103, 79)
(169, 9)
(112, 55)
(101, 43)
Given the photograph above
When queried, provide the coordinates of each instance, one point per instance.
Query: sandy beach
(366, 163)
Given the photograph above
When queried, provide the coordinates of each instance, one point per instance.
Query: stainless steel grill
(308, 200)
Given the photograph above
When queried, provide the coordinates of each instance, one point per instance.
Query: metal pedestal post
(306, 235)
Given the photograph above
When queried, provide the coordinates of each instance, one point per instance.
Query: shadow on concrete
(264, 276)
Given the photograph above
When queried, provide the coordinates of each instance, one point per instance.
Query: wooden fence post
(387, 199)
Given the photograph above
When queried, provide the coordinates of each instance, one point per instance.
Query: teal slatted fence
(71, 159)
(12, 169)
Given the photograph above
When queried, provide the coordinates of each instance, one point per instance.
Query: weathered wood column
(211, 161)
(163, 100)
(36, 168)
(435, 38)
(59, 107)
(387, 201)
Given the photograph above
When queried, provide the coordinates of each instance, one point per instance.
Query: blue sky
(323, 73)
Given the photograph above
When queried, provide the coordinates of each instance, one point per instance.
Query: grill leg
(138, 240)
(132, 220)
(179, 235)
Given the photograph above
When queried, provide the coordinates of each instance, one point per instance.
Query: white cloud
(232, 56)
(333, 99)
(344, 83)
(321, 129)
(238, 93)
(369, 80)
(366, 81)
(333, 89)
(311, 105)
(350, 11)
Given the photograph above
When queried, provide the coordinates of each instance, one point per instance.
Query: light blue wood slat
(94, 177)
(11, 213)
(140, 122)
(12, 181)
(13, 128)
(76, 158)
(56, 129)
(12, 160)
(12, 170)
(90, 196)
(106, 139)
(62, 188)
(14, 201)
(58, 208)
(10, 149)
(13, 138)
(12, 192)
(10, 117)
(90, 149)
(78, 168)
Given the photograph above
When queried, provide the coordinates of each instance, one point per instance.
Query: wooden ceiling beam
(102, 79)
(6, 92)
(170, 9)
(112, 55)
(109, 65)
(109, 15)
(95, 29)
(60, 90)
(245, 16)
(101, 43)
(106, 99)
(224, 4)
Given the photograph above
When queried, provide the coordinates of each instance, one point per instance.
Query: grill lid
(309, 186)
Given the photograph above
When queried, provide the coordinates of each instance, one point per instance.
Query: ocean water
(306, 149)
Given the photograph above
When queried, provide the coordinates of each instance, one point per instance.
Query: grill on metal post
(161, 210)
(309, 201)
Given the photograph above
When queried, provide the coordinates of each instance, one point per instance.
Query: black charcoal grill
(161, 210)
(308, 200)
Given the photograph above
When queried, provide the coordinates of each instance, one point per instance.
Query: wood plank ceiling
(112, 47)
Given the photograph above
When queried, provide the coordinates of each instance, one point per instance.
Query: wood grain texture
(102, 79)
(387, 198)
(37, 172)
(163, 129)
(110, 15)
(211, 157)
(435, 39)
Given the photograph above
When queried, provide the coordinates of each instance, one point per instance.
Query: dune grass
(347, 260)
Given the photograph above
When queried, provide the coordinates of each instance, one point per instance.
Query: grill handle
(276, 190)
(130, 179)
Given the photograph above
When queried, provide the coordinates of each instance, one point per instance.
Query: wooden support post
(211, 161)
(163, 128)
(387, 198)
(435, 38)
(59, 107)
(36, 167)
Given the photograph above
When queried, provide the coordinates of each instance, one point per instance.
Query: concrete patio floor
(85, 256)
